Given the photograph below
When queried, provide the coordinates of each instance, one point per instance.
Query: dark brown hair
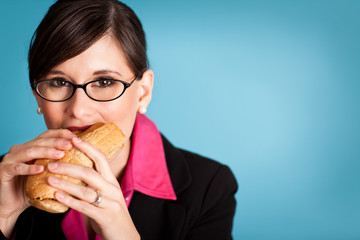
(72, 26)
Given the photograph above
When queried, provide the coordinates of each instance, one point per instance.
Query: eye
(58, 83)
(104, 82)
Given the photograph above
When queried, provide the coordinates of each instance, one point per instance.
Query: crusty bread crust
(108, 138)
(51, 206)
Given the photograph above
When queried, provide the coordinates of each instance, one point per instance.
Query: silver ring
(98, 199)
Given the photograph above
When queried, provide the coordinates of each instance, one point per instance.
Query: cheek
(53, 115)
(123, 113)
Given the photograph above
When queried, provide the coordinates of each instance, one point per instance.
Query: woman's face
(103, 59)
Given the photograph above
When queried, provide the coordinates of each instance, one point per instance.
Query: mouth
(79, 128)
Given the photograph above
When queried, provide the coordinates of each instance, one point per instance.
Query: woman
(88, 64)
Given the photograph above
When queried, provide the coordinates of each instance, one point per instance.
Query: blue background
(270, 88)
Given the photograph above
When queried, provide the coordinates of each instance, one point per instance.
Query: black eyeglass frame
(83, 86)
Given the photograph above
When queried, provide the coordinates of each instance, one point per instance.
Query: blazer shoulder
(207, 171)
(206, 190)
(196, 170)
(203, 164)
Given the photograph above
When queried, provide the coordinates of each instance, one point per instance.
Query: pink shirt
(146, 172)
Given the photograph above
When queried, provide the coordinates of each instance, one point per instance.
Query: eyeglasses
(101, 90)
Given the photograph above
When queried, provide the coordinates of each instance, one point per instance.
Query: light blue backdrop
(270, 88)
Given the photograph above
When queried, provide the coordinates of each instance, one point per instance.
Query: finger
(8, 171)
(81, 192)
(29, 154)
(99, 158)
(86, 174)
(58, 133)
(82, 206)
(107, 207)
(57, 139)
(58, 143)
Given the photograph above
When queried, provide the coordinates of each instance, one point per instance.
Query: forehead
(104, 55)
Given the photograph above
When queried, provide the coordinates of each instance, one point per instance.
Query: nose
(80, 106)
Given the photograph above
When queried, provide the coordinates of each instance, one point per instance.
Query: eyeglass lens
(58, 90)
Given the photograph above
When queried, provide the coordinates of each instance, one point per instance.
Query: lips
(79, 128)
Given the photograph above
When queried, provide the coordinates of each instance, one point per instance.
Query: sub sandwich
(106, 137)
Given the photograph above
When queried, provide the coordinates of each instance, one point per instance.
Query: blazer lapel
(177, 166)
(158, 218)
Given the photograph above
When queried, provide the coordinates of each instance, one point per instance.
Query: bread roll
(108, 138)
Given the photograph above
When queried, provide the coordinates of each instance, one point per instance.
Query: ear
(145, 90)
(36, 97)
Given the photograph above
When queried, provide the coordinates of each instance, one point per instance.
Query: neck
(118, 163)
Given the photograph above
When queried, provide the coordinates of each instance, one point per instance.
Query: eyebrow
(106, 72)
(95, 73)
(56, 72)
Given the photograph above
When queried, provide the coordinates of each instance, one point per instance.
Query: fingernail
(77, 140)
(60, 195)
(39, 168)
(54, 180)
(53, 165)
(67, 144)
(59, 154)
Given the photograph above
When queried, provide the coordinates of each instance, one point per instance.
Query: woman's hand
(15, 166)
(110, 219)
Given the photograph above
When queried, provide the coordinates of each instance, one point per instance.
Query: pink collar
(146, 172)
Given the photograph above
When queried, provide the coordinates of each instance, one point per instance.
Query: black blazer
(204, 208)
